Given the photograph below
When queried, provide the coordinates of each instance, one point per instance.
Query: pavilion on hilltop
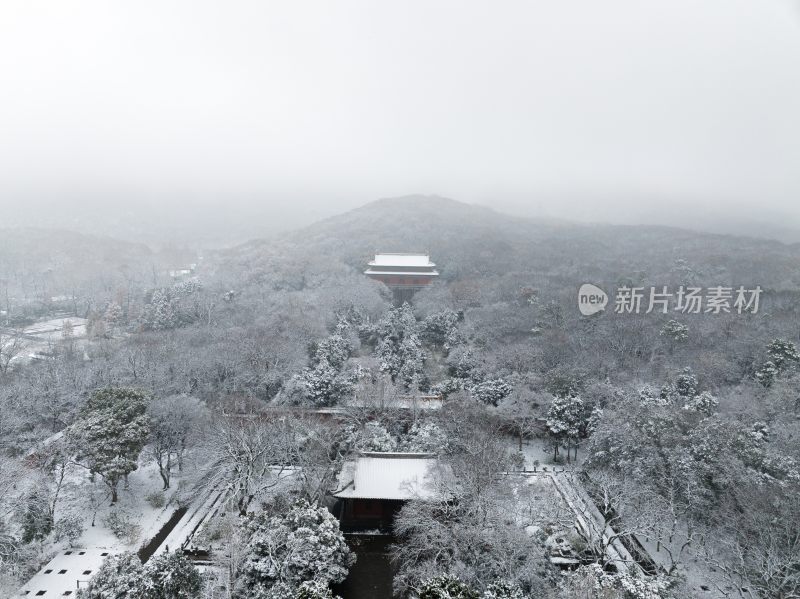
(403, 273)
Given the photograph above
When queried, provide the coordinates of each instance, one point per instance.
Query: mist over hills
(220, 222)
(467, 240)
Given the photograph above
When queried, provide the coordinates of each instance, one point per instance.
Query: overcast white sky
(554, 106)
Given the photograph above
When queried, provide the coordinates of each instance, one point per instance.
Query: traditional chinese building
(374, 487)
(404, 274)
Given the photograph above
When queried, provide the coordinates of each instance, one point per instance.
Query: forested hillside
(677, 422)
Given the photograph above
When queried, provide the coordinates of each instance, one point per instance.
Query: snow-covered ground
(146, 520)
(68, 571)
(539, 455)
(53, 329)
(90, 501)
(39, 339)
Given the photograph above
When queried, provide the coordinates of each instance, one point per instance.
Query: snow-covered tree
(165, 576)
(249, 455)
(324, 385)
(563, 383)
(172, 420)
(462, 363)
(445, 587)
(110, 433)
(592, 582)
(304, 544)
(783, 354)
(336, 348)
(119, 576)
(35, 515)
(373, 436)
(399, 346)
(703, 403)
(170, 576)
(490, 391)
(503, 590)
(595, 417)
(426, 436)
(447, 387)
(767, 373)
(675, 331)
(440, 328)
(69, 528)
(314, 590)
(684, 386)
(566, 422)
(113, 315)
(163, 311)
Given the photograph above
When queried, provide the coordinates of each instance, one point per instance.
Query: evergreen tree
(566, 422)
(373, 436)
(314, 590)
(783, 354)
(675, 332)
(305, 544)
(165, 576)
(490, 392)
(36, 518)
(120, 577)
(170, 576)
(110, 433)
(503, 590)
(445, 587)
(426, 436)
(400, 349)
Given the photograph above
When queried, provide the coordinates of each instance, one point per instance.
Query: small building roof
(392, 476)
(397, 402)
(66, 572)
(419, 260)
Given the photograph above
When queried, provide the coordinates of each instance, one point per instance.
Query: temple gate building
(404, 274)
(375, 485)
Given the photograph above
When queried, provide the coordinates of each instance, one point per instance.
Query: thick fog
(266, 115)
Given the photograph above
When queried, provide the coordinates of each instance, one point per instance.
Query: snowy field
(39, 339)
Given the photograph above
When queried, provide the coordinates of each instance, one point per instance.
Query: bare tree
(757, 551)
(173, 421)
(12, 343)
(251, 453)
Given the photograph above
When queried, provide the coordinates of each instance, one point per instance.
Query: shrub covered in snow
(445, 587)
(69, 528)
(314, 590)
(503, 590)
(594, 583)
(121, 523)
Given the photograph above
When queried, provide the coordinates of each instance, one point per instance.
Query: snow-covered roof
(420, 260)
(63, 574)
(399, 402)
(396, 476)
(425, 273)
